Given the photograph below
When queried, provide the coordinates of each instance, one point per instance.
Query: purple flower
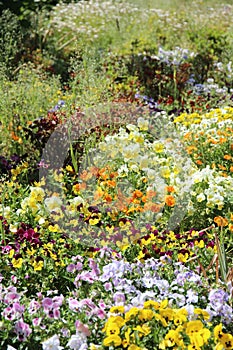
(47, 304)
(71, 268)
(119, 298)
(192, 297)
(22, 330)
(36, 321)
(73, 304)
(34, 306)
(218, 296)
(108, 286)
(11, 297)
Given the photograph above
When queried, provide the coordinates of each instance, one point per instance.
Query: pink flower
(80, 327)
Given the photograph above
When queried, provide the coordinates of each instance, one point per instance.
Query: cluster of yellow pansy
(158, 326)
(220, 114)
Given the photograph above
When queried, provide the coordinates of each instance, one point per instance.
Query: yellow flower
(31, 252)
(17, 263)
(193, 326)
(38, 265)
(112, 329)
(131, 313)
(94, 221)
(142, 330)
(54, 228)
(126, 341)
(11, 253)
(134, 347)
(227, 341)
(218, 331)
(69, 168)
(117, 309)
(183, 257)
(114, 340)
(151, 304)
(146, 315)
(141, 255)
(172, 338)
(180, 317)
(203, 313)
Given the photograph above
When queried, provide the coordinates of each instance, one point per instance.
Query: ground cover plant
(116, 206)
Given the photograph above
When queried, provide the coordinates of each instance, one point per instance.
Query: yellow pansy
(114, 340)
(17, 263)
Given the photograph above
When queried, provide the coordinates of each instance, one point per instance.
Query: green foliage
(10, 41)
(26, 98)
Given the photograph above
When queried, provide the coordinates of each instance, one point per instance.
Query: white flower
(131, 151)
(143, 124)
(52, 343)
(53, 203)
(201, 197)
(10, 347)
(78, 342)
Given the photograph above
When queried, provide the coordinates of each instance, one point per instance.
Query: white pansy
(200, 197)
(53, 203)
(143, 124)
(52, 343)
(78, 341)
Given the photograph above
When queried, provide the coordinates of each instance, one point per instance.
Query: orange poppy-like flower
(150, 194)
(108, 198)
(227, 157)
(170, 200)
(222, 140)
(220, 221)
(85, 175)
(231, 168)
(170, 189)
(79, 187)
(150, 206)
(199, 162)
(111, 183)
(137, 194)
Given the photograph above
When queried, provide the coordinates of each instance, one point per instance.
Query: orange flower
(227, 157)
(170, 189)
(150, 206)
(85, 175)
(220, 221)
(111, 183)
(137, 194)
(150, 194)
(199, 162)
(79, 187)
(231, 168)
(108, 198)
(170, 200)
